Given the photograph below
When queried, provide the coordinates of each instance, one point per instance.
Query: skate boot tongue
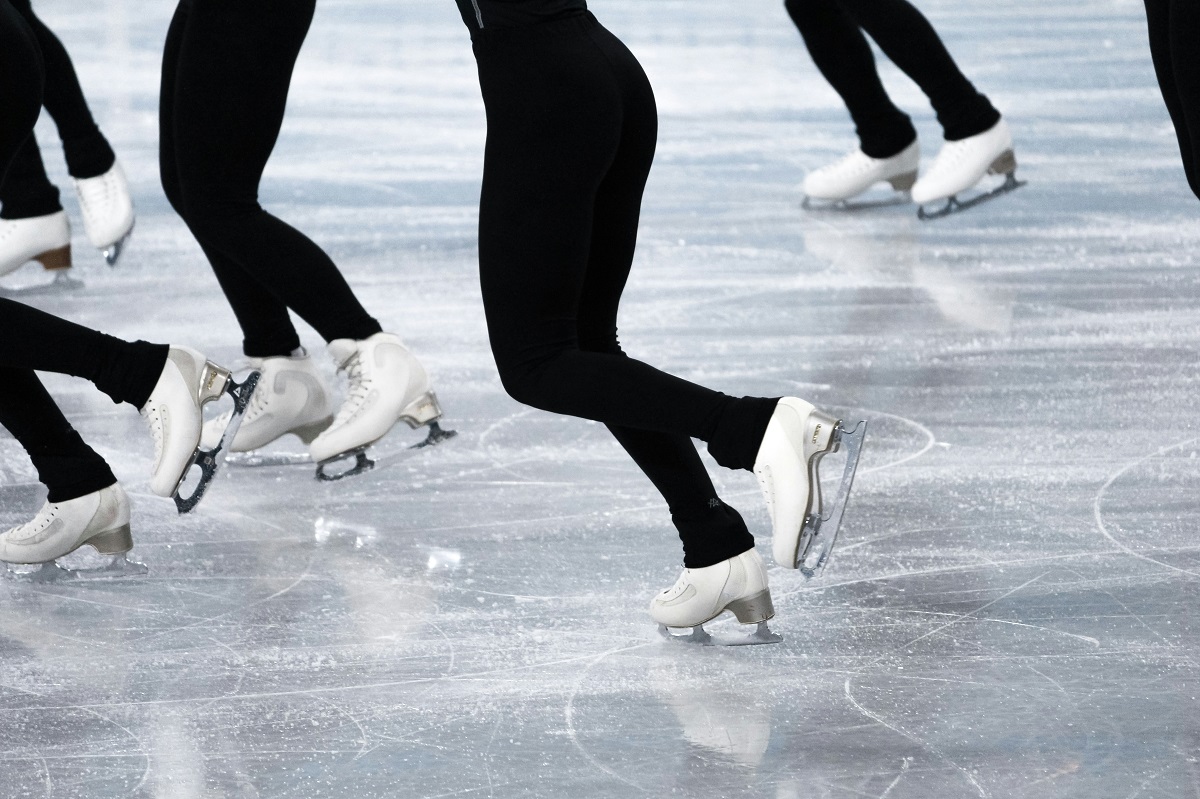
(342, 350)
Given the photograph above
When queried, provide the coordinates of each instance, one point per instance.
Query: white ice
(1011, 609)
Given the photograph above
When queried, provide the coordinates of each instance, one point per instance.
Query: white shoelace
(357, 389)
(40, 522)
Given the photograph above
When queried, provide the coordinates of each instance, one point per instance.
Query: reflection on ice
(82, 564)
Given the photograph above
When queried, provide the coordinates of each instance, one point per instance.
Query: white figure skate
(99, 520)
(962, 164)
(797, 437)
(291, 397)
(173, 412)
(738, 585)
(45, 239)
(833, 186)
(386, 385)
(107, 211)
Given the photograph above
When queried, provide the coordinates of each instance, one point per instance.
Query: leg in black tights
(226, 71)
(831, 30)
(26, 191)
(1174, 27)
(571, 135)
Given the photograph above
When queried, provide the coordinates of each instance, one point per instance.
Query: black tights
(31, 339)
(26, 191)
(1174, 38)
(571, 136)
(226, 71)
(833, 32)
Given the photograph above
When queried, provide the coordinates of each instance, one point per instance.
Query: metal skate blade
(820, 532)
(113, 251)
(954, 205)
(849, 206)
(68, 568)
(209, 460)
(700, 637)
(257, 459)
(436, 436)
(361, 464)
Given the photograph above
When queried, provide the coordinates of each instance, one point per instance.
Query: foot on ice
(45, 239)
(738, 585)
(962, 164)
(797, 437)
(833, 186)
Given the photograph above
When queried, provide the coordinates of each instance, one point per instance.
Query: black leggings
(226, 71)
(1174, 39)
(31, 339)
(833, 32)
(571, 135)
(26, 191)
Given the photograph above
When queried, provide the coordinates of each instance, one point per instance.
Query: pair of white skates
(281, 396)
(108, 217)
(797, 437)
(959, 166)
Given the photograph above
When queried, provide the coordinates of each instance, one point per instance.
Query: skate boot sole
(1004, 164)
(822, 432)
(756, 610)
(424, 411)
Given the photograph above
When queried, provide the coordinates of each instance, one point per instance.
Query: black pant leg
(1174, 29)
(21, 85)
(907, 38)
(87, 152)
(26, 190)
(571, 128)
(843, 56)
(225, 92)
(66, 465)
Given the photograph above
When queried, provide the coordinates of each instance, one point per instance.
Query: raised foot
(73, 567)
(954, 205)
(820, 532)
(210, 459)
(699, 636)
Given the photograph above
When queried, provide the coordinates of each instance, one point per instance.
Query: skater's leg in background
(21, 88)
(225, 105)
(65, 464)
(907, 38)
(33, 339)
(1174, 29)
(541, 89)
(843, 56)
(26, 191)
(87, 152)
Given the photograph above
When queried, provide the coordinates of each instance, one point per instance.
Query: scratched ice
(1011, 608)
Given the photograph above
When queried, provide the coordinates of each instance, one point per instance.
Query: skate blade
(209, 460)
(113, 251)
(437, 435)
(252, 460)
(820, 532)
(361, 464)
(698, 636)
(849, 206)
(69, 568)
(954, 205)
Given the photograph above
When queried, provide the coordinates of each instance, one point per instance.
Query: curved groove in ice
(569, 714)
(930, 441)
(1099, 516)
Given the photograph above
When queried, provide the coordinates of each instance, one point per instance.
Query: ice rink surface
(1010, 612)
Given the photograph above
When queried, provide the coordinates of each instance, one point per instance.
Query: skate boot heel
(421, 411)
(56, 259)
(753, 609)
(903, 182)
(213, 380)
(819, 433)
(309, 432)
(113, 542)
(1005, 164)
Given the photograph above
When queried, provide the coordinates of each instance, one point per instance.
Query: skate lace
(153, 420)
(44, 519)
(357, 389)
(95, 193)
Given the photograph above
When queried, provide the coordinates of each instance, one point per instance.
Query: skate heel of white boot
(112, 542)
(903, 182)
(818, 434)
(55, 260)
(753, 609)
(213, 380)
(1005, 164)
(421, 411)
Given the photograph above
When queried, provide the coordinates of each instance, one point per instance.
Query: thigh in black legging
(22, 84)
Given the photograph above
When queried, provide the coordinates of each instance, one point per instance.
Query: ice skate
(173, 412)
(797, 437)
(738, 585)
(961, 165)
(835, 185)
(99, 520)
(291, 398)
(45, 239)
(107, 211)
(386, 384)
